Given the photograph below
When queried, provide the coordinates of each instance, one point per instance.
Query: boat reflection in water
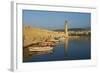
(32, 51)
(29, 53)
(67, 49)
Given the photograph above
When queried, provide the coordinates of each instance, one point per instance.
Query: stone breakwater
(33, 35)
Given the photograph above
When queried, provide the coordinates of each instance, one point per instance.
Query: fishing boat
(40, 49)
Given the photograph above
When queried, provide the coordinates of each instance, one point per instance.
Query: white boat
(40, 49)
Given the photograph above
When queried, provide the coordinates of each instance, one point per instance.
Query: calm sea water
(69, 49)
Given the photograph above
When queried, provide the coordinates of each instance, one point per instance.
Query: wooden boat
(44, 44)
(53, 40)
(40, 49)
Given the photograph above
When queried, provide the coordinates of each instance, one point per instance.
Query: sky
(55, 20)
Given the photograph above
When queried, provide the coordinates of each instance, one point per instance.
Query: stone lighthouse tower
(66, 28)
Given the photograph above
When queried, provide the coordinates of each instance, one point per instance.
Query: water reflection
(27, 55)
(67, 49)
(66, 46)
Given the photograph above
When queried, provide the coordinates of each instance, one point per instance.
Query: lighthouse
(66, 28)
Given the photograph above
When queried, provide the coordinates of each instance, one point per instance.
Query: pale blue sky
(55, 20)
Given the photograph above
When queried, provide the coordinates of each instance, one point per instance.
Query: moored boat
(40, 49)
